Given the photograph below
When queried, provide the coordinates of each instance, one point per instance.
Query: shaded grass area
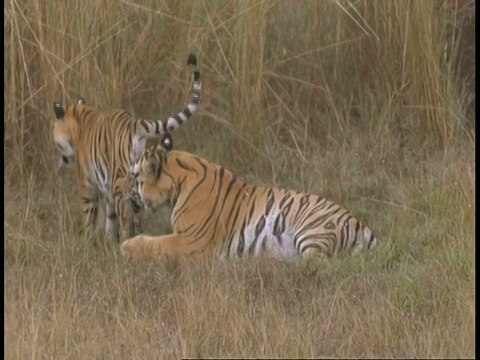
(412, 296)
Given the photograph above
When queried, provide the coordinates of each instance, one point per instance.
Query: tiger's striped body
(105, 145)
(216, 215)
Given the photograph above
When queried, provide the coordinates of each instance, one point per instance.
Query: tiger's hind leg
(314, 260)
(154, 247)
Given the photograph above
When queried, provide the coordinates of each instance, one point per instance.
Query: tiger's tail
(157, 128)
(172, 123)
(365, 239)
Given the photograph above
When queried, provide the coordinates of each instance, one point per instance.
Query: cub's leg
(128, 205)
(126, 220)
(137, 208)
(153, 247)
(130, 214)
(111, 221)
(88, 197)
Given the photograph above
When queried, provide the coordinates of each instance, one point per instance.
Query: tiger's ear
(152, 165)
(81, 100)
(59, 111)
(167, 142)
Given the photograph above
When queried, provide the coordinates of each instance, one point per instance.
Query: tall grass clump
(369, 103)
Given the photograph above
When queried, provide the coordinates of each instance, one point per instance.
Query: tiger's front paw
(135, 248)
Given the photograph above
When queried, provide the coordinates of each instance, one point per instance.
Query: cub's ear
(81, 100)
(59, 111)
(167, 142)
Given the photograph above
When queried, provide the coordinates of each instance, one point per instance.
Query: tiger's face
(153, 183)
(64, 129)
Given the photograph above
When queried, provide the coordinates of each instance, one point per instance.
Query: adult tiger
(105, 145)
(215, 214)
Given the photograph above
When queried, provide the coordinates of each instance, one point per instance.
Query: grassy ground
(366, 103)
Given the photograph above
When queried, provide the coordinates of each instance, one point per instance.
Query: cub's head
(64, 130)
(153, 182)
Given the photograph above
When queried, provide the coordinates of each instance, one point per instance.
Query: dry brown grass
(362, 101)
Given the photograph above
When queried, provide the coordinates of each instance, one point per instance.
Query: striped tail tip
(192, 60)
(369, 239)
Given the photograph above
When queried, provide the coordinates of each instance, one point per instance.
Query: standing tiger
(105, 145)
(215, 214)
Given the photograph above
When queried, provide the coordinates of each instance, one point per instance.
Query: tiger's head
(153, 184)
(64, 130)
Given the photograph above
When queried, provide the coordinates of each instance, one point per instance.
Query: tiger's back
(103, 150)
(216, 214)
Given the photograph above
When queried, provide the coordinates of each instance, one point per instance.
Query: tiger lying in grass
(215, 214)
